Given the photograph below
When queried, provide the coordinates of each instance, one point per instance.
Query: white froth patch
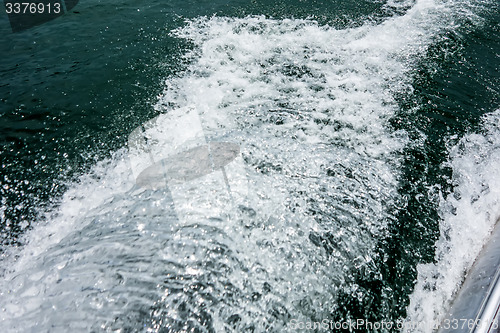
(83, 199)
(245, 69)
(468, 216)
(305, 98)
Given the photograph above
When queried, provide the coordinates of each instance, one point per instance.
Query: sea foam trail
(309, 106)
(468, 216)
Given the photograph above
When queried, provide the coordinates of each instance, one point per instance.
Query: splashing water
(309, 106)
(468, 216)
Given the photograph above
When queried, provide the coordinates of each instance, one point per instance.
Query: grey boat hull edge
(476, 306)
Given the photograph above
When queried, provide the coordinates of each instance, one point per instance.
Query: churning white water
(308, 106)
(468, 216)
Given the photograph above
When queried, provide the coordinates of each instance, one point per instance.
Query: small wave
(468, 216)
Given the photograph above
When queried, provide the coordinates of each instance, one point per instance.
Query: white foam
(91, 192)
(311, 106)
(468, 216)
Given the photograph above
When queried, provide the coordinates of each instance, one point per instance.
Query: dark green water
(73, 89)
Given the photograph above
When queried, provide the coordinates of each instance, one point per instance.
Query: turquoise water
(368, 132)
